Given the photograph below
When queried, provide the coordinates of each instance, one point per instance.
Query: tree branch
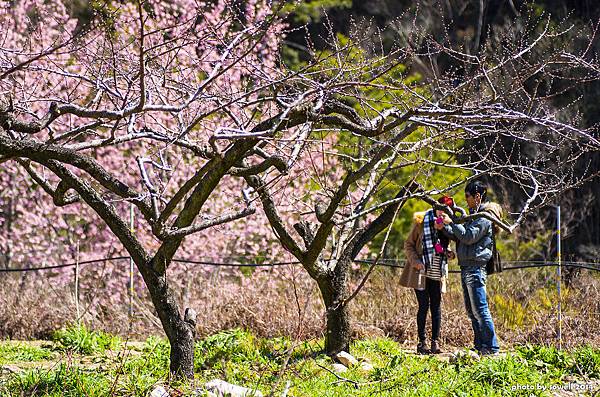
(383, 220)
(106, 211)
(325, 215)
(465, 218)
(275, 220)
(219, 220)
(58, 195)
(40, 152)
(273, 161)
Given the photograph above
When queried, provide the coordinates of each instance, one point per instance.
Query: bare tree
(396, 138)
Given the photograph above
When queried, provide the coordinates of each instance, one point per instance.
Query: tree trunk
(182, 348)
(180, 330)
(334, 289)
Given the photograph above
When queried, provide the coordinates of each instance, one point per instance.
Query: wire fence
(384, 262)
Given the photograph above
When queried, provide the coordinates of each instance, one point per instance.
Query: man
(474, 250)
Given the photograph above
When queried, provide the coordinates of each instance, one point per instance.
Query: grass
(77, 338)
(61, 381)
(11, 352)
(241, 358)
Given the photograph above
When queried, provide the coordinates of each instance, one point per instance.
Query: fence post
(77, 282)
(131, 228)
(559, 276)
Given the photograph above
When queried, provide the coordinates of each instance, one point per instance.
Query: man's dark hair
(475, 187)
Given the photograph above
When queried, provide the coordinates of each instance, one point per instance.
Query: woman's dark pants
(429, 299)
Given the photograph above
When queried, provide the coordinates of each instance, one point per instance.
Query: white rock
(339, 368)
(159, 391)
(366, 366)
(346, 358)
(463, 353)
(224, 389)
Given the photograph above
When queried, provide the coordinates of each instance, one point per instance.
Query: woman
(474, 250)
(426, 270)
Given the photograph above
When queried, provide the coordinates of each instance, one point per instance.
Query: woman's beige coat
(413, 249)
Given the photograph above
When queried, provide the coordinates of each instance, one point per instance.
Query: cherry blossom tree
(122, 111)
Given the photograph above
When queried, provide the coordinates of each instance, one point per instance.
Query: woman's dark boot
(422, 348)
(435, 349)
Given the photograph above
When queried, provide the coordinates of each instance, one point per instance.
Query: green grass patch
(239, 357)
(62, 381)
(11, 352)
(79, 339)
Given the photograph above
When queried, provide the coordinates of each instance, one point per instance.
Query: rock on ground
(346, 358)
(159, 391)
(220, 388)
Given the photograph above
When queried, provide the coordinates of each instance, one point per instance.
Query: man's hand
(450, 254)
(418, 266)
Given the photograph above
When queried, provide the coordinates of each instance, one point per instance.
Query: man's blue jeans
(473, 284)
